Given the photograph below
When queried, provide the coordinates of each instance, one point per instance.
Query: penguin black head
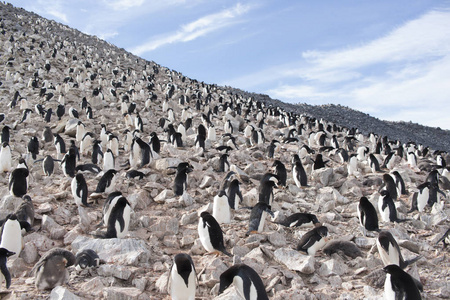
(5, 252)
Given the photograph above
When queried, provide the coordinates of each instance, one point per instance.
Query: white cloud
(124, 4)
(196, 29)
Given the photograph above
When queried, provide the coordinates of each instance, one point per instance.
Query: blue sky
(390, 59)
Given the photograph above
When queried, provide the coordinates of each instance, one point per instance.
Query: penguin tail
(227, 253)
(402, 220)
(413, 260)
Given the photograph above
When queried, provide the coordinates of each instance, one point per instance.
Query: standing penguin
(106, 184)
(183, 278)
(319, 163)
(367, 215)
(247, 282)
(401, 189)
(5, 275)
(108, 160)
(68, 163)
(420, 198)
(390, 251)
(140, 153)
(210, 234)
(399, 284)
(387, 208)
(374, 164)
(118, 220)
(221, 208)
(258, 217)
(79, 190)
(234, 194)
(11, 235)
(48, 165)
(181, 178)
(5, 134)
(33, 147)
(298, 172)
(224, 165)
(265, 190)
(390, 186)
(50, 270)
(18, 182)
(5, 158)
(352, 166)
(280, 171)
(155, 143)
(97, 153)
(60, 145)
(313, 240)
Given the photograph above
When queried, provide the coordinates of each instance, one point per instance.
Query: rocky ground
(163, 224)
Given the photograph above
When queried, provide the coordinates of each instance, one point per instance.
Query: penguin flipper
(411, 261)
(25, 225)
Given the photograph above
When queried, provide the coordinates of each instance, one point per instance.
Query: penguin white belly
(317, 246)
(212, 134)
(221, 210)
(422, 199)
(239, 284)
(126, 217)
(74, 192)
(12, 237)
(178, 289)
(389, 293)
(109, 189)
(204, 236)
(5, 160)
(383, 213)
(296, 179)
(107, 213)
(393, 256)
(262, 221)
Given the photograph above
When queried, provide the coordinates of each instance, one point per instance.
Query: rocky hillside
(50, 65)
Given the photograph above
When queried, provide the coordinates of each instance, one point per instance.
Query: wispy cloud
(124, 4)
(196, 29)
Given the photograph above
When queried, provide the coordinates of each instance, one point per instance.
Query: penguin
(116, 216)
(68, 163)
(374, 164)
(367, 215)
(181, 178)
(399, 284)
(5, 134)
(33, 147)
(401, 189)
(97, 153)
(246, 280)
(271, 148)
(280, 171)
(183, 278)
(60, 111)
(5, 158)
(25, 213)
(11, 234)
(155, 143)
(113, 144)
(210, 234)
(343, 156)
(387, 208)
(445, 239)
(313, 240)
(412, 160)
(228, 127)
(362, 153)
(86, 258)
(26, 115)
(89, 113)
(48, 115)
(50, 271)
(200, 142)
(390, 186)
(5, 275)
(140, 153)
(18, 182)
(319, 163)
(91, 168)
(390, 252)
(47, 135)
(60, 145)
(352, 166)
(80, 131)
(73, 113)
(224, 165)
(221, 208)
(106, 184)
(108, 160)
(342, 247)
(134, 173)
(265, 189)
(234, 194)
(298, 172)
(300, 220)
(258, 217)
(79, 190)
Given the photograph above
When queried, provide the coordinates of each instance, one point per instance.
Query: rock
(122, 293)
(8, 205)
(333, 267)
(139, 200)
(165, 194)
(42, 243)
(55, 230)
(295, 261)
(188, 218)
(167, 225)
(29, 253)
(61, 293)
(130, 252)
(163, 164)
(93, 287)
(277, 239)
(118, 271)
(323, 175)
(206, 182)
(71, 127)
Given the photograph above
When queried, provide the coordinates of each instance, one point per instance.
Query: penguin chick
(210, 234)
(183, 278)
(342, 248)
(50, 271)
(313, 240)
(247, 282)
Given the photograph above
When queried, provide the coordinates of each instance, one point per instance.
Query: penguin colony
(91, 134)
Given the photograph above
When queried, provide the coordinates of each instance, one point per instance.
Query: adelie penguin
(79, 190)
(280, 171)
(374, 164)
(68, 163)
(183, 278)
(86, 258)
(246, 280)
(387, 209)
(399, 284)
(5, 158)
(181, 178)
(210, 234)
(258, 217)
(116, 216)
(234, 194)
(300, 220)
(319, 163)
(51, 270)
(18, 181)
(33, 147)
(11, 234)
(5, 275)
(313, 240)
(298, 172)
(25, 213)
(221, 208)
(266, 185)
(390, 186)
(367, 215)
(106, 183)
(390, 251)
